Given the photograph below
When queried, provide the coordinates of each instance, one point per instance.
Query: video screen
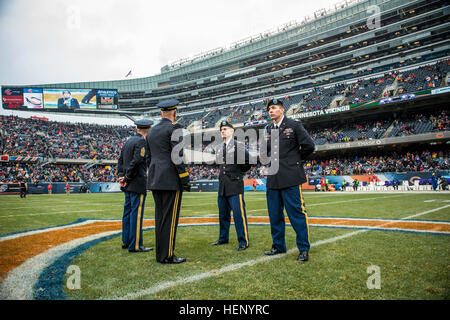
(59, 99)
(69, 99)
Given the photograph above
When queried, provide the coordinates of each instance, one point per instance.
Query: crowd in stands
(420, 123)
(351, 132)
(36, 172)
(321, 97)
(49, 139)
(40, 138)
(426, 77)
(406, 124)
(423, 161)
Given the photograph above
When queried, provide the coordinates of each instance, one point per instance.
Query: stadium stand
(315, 66)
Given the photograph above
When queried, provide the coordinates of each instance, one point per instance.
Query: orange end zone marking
(14, 252)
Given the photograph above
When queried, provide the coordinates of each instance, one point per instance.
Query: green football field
(408, 264)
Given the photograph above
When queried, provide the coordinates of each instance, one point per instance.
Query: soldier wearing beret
(231, 187)
(132, 171)
(167, 181)
(284, 187)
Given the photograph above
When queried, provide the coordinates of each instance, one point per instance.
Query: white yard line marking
(65, 206)
(334, 202)
(46, 213)
(197, 277)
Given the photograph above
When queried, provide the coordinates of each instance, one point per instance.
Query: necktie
(224, 152)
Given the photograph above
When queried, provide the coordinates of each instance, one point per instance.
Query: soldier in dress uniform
(132, 170)
(167, 181)
(231, 187)
(284, 187)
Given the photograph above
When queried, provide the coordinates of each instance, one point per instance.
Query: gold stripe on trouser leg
(243, 219)
(303, 208)
(172, 226)
(138, 224)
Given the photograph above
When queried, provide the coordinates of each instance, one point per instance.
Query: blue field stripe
(50, 283)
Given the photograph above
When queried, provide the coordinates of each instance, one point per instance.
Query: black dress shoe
(241, 247)
(303, 256)
(141, 249)
(173, 260)
(124, 246)
(273, 252)
(219, 242)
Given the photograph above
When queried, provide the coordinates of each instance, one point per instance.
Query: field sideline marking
(252, 200)
(20, 281)
(334, 202)
(44, 213)
(169, 284)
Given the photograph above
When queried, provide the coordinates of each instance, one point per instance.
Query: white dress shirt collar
(277, 125)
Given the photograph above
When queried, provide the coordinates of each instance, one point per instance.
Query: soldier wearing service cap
(132, 171)
(284, 187)
(231, 187)
(167, 181)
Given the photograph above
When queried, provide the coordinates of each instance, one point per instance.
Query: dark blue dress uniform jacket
(295, 145)
(163, 174)
(231, 180)
(133, 163)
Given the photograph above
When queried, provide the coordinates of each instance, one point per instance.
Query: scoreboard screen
(59, 99)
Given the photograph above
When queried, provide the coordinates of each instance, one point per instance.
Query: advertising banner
(33, 98)
(107, 99)
(12, 98)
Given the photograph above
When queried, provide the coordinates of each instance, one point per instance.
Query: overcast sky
(50, 41)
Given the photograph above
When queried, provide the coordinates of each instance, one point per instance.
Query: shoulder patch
(143, 152)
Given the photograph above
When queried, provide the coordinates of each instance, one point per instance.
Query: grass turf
(413, 266)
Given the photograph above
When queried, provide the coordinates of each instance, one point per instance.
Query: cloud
(52, 41)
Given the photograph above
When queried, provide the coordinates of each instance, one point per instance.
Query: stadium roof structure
(340, 17)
